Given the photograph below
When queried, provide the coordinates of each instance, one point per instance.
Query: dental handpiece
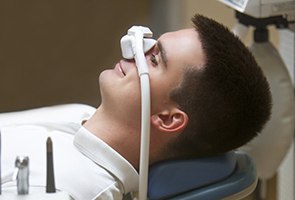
(50, 183)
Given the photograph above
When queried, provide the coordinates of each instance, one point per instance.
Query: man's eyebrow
(162, 53)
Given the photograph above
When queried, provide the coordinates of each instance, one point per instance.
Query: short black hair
(228, 101)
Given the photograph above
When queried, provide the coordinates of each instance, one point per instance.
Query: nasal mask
(135, 44)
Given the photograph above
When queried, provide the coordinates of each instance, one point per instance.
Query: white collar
(102, 154)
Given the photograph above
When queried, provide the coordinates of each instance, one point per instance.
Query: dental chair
(230, 176)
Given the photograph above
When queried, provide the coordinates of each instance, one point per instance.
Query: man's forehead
(182, 35)
(183, 39)
(176, 33)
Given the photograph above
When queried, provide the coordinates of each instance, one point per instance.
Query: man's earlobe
(170, 122)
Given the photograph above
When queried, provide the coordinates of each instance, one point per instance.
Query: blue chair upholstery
(228, 176)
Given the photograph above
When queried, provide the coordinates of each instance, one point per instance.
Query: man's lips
(119, 68)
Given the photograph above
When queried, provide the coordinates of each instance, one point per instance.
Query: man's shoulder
(49, 114)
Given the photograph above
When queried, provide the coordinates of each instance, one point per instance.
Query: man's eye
(154, 59)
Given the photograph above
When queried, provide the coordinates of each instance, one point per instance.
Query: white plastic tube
(134, 45)
(145, 114)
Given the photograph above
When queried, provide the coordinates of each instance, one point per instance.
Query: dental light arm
(135, 45)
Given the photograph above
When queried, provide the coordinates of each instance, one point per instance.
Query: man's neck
(121, 137)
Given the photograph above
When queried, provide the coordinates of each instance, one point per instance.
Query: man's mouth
(121, 70)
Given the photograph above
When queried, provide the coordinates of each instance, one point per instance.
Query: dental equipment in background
(278, 134)
(135, 44)
(50, 183)
(21, 174)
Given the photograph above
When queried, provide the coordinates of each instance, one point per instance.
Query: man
(208, 96)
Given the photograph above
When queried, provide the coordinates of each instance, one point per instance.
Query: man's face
(173, 53)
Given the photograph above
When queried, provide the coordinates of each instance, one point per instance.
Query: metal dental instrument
(0, 164)
(21, 174)
(50, 183)
(134, 45)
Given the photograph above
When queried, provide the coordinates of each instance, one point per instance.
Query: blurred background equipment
(273, 144)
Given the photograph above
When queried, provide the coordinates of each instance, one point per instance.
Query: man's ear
(170, 121)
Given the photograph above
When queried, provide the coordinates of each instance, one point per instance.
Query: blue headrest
(175, 177)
